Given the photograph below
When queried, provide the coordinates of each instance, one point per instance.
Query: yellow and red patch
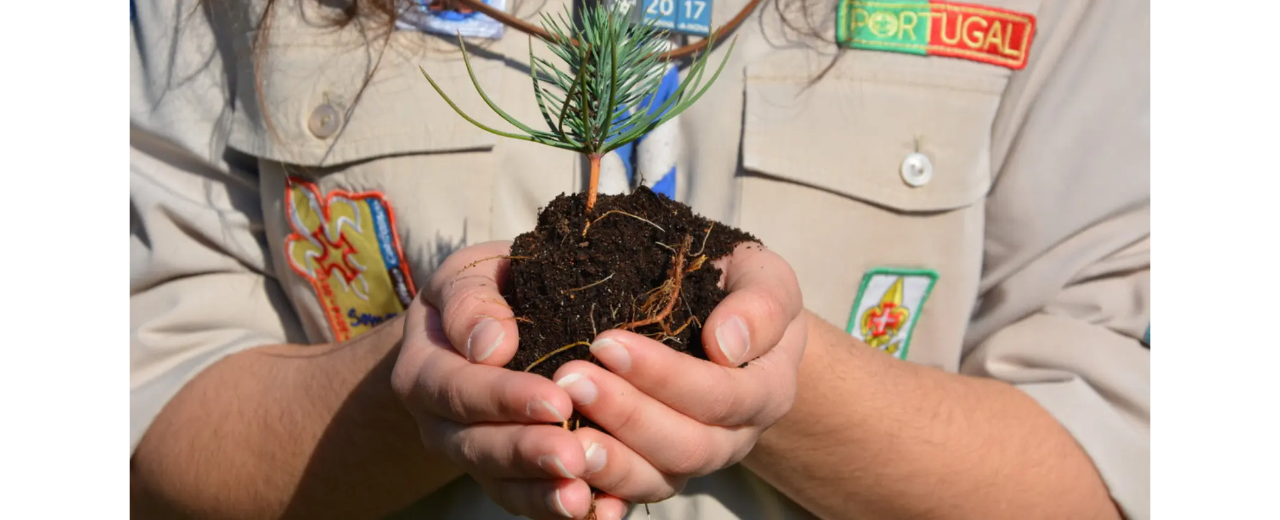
(346, 246)
(888, 306)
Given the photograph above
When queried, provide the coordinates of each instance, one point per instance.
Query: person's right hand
(499, 426)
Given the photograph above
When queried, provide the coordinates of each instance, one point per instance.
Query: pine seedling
(608, 64)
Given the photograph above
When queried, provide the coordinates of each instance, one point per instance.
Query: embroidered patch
(888, 306)
(967, 31)
(346, 246)
(432, 16)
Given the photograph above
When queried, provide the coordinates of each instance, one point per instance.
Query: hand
(497, 425)
(671, 416)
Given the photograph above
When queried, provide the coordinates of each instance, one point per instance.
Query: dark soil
(566, 287)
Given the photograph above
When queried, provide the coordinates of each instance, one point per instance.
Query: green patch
(901, 26)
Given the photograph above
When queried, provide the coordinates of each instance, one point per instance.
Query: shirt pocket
(325, 96)
(851, 132)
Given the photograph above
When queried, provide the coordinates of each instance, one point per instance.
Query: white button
(917, 169)
(324, 121)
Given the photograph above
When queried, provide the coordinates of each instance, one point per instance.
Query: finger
(509, 451)
(442, 383)
(466, 289)
(764, 297)
(541, 499)
(672, 442)
(616, 469)
(705, 391)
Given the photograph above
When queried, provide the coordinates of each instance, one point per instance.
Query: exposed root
(704, 239)
(508, 318)
(633, 312)
(689, 308)
(668, 248)
(486, 259)
(669, 291)
(592, 315)
(590, 285)
(607, 213)
(696, 264)
(677, 332)
(666, 334)
(554, 352)
(575, 419)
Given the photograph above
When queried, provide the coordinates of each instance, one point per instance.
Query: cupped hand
(670, 416)
(499, 426)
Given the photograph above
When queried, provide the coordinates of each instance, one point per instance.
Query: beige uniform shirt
(952, 212)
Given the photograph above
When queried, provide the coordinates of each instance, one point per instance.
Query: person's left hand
(671, 416)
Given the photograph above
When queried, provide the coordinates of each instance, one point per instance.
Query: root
(677, 332)
(575, 418)
(669, 290)
(689, 308)
(554, 352)
(704, 239)
(592, 315)
(668, 248)
(588, 286)
(486, 259)
(666, 334)
(508, 318)
(588, 226)
(696, 264)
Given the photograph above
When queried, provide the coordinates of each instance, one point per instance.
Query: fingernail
(734, 339)
(552, 464)
(540, 410)
(484, 339)
(596, 458)
(553, 503)
(580, 389)
(613, 354)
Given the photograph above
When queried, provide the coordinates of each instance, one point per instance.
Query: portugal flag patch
(967, 31)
